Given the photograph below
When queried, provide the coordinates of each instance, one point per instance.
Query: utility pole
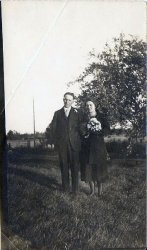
(34, 123)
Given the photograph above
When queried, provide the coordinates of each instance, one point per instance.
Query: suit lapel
(63, 114)
(71, 115)
(63, 118)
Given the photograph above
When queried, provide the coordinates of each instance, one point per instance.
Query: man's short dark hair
(70, 93)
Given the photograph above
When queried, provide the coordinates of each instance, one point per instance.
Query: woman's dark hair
(91, 100)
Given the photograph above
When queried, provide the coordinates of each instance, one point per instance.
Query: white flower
(94, 125)
(94, 120)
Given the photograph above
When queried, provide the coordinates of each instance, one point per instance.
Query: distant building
(29, 142)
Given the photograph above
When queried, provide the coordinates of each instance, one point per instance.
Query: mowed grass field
(42, 217)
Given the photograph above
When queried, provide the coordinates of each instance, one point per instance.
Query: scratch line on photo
(35, 55)
(9, 241)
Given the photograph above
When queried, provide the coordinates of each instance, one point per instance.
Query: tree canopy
(115, 80)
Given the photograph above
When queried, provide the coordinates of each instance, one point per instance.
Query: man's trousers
(69, 159)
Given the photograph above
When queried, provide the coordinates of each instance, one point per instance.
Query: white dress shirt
(66, 111)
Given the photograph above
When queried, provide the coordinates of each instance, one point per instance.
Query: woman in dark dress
(94, 153)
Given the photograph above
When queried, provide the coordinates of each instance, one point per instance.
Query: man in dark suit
(66, 138)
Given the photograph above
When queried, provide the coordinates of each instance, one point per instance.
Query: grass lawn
(41, 217)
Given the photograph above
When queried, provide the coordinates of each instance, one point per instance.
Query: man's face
(68, 101)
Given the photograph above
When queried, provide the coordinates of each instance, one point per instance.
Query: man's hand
(52, 146)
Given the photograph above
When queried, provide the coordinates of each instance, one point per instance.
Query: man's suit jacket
(66, 129)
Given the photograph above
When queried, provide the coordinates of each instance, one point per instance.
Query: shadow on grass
(32, 160)
(41, 179)
(32, 157)
(45, 223)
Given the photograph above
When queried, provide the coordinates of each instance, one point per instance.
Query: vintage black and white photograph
(74, 168)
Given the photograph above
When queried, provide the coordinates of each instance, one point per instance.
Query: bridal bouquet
(94, 125)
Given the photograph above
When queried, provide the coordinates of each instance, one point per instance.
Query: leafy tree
(115, 79)
(13, 135)
(10, 134)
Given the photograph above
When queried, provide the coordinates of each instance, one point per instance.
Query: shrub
(121, 150)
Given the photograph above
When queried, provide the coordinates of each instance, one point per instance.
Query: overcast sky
(46, 45)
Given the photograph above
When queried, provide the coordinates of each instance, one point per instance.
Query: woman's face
(90, 106)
